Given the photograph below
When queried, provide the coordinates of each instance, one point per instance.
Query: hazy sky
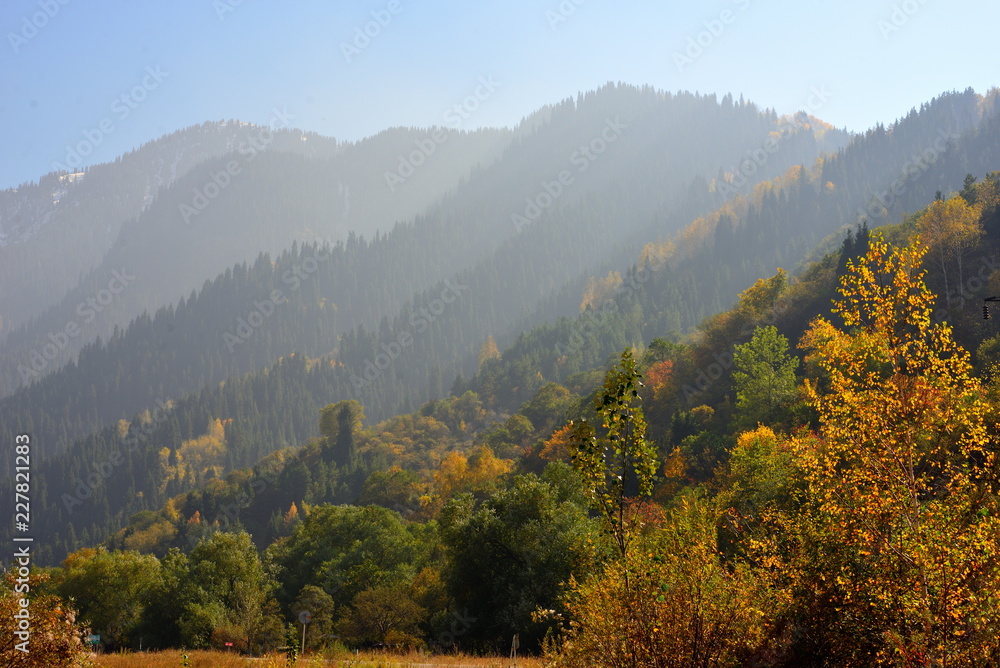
(65, 65)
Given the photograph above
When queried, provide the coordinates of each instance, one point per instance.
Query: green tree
(340, 425)
(764, 378)
(228, 591)
(111, 590)
(621, 461)
(512, 553)
(382, 615)
(395, 488)
(167, 601)
(321, 608)
(344, 550)
(549, 406)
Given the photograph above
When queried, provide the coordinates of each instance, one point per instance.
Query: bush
(673, 604)
(56, 640)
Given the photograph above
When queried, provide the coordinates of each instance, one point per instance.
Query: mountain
(451, 503)
(143, 232)
(391, 365)
(584, 184)
(625, 161)
(68, 220)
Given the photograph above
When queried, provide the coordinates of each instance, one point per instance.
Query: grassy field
(172, 659)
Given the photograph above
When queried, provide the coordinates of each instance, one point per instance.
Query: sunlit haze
(241, 60)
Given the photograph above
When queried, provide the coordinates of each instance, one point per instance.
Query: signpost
(986, 306)
(305, 617)
(515, 643)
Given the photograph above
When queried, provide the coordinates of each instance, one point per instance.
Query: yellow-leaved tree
(897, 539)
(950, 228)
(599, 290)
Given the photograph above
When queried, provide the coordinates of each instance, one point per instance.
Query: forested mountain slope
(734, 517)
(261, 191)
(778, 226)
(59, 228)
(620, 174)
(412, 369)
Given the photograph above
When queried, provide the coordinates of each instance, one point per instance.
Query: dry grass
(172, 659)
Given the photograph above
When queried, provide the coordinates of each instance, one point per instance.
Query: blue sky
(65, 64)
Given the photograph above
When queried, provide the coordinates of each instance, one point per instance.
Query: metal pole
(303, 638)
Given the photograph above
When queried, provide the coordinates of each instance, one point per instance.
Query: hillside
(442, 345)
(458, 500)
(258, 191)
(470, 236)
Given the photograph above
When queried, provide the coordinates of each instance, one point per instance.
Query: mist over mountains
(627, 335)
(601, 175)
(378, 270)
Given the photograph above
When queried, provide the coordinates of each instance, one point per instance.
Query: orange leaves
(884, 290)
(557, 447)
(198, 458)
(291, 516)
(658, 379)
(458, 473)
(683, 607)
(898, 507)
(56, 638)
(488, 351)
(657, 254)
(950, 221)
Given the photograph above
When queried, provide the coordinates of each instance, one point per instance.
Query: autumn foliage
(900, 531)
(56, 639)
(871, 539)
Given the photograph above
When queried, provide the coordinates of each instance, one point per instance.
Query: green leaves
(513, 552)
(764, 378)
(621, 462)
